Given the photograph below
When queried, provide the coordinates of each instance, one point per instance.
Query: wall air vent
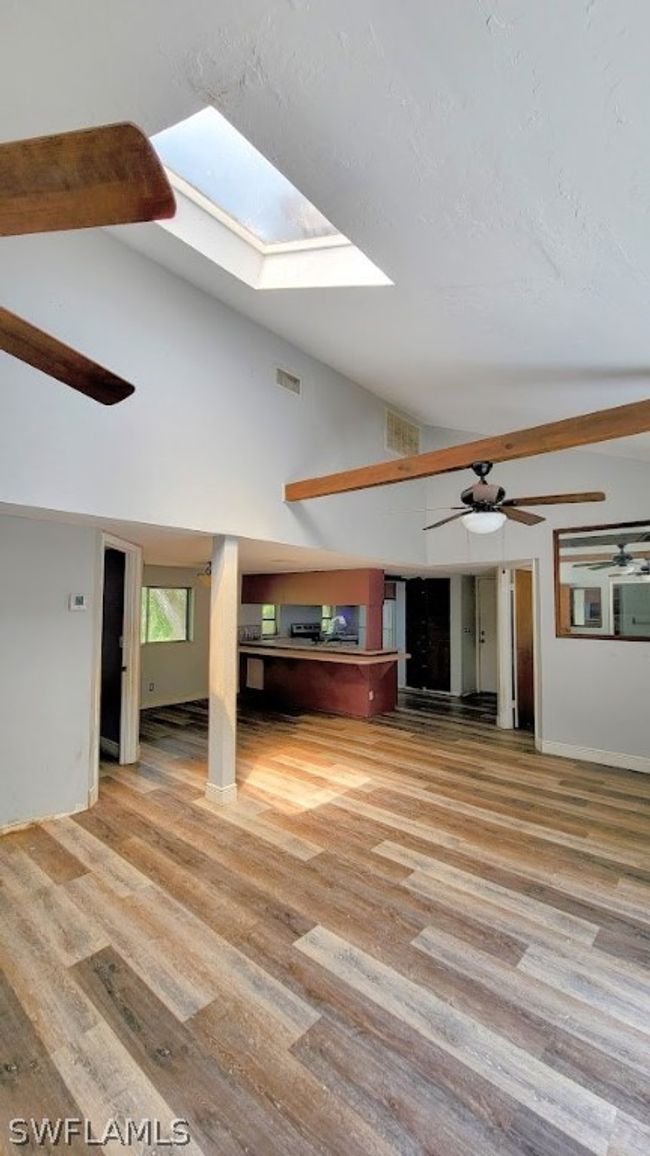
(288, 381)
(401, 436)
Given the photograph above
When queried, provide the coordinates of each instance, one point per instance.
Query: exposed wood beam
(586, 429)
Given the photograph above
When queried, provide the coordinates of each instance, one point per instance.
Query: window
(240, 212)
(166, 614)
(327, 613)
(269, 620)
(214, 158)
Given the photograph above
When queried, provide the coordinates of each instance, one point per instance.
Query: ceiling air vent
(288, 381)
(401, 436)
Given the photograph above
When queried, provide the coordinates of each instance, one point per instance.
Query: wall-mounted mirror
(602, 581)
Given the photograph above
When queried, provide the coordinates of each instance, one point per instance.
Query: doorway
(112, 664)
(428, 634)
(116, 695)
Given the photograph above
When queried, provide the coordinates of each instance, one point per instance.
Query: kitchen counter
(337, 652)
(331, 677)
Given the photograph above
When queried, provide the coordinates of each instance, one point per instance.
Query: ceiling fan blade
(24, 341)
(524, 516)
(586, 429)
(594, 565)
(556, 499)
(109, 175)
(434, 525)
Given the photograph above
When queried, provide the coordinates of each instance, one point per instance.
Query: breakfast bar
(322, 677)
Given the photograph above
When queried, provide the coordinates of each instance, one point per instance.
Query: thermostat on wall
(78, 602)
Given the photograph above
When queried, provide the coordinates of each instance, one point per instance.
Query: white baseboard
(22, 824)
(591, 755)
(221, 795)
(152, 703)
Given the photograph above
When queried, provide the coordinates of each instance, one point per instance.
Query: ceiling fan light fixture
(483, 521)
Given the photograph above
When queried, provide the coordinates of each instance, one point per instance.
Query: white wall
(594, 692)
(288, 615)
(178, 670)
(462, 634)
(47, 667)
(208, 440)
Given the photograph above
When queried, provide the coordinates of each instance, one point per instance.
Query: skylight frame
(301, 245)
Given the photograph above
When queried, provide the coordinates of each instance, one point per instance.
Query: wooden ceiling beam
(587, 429)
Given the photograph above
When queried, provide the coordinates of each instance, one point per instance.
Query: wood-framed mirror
(602, 581)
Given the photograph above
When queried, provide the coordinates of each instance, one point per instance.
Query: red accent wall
(325, 686)
(315, 588)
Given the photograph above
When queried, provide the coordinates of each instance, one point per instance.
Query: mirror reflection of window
(602, 577)
(631, 609)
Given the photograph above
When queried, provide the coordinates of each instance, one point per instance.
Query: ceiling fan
(109, 175)
(485, 505)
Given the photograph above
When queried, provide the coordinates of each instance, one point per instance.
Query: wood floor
(472, 707)
(411, 935)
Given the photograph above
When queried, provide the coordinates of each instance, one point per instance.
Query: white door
(486, 624)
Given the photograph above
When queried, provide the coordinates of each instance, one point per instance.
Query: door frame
(129, 751)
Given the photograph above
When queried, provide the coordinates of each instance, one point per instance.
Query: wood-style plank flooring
(411, 935)
(477, 707)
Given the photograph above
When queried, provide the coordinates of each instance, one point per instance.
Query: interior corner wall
(173, 672)
(47, 667)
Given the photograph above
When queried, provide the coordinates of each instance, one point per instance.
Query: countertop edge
(343, 657)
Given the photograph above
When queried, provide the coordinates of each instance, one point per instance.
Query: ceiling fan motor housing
(482, 496)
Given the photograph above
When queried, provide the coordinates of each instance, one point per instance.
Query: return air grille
(288, 381)
(401, 436)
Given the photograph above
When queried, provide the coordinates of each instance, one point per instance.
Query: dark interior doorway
(524, 650)
(112, 652)
(428, 634)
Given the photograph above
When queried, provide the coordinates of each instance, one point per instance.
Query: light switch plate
(77, 602)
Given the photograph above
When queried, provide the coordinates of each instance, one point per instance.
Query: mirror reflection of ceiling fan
(77, 180)
(485, 506)
(622, 561)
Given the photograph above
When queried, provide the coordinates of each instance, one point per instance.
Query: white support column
(505, 672)
(224, 606)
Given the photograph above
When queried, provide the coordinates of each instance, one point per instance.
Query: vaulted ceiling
(489, 155)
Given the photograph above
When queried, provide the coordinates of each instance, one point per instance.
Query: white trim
(23, 824)
(153, 704)
(221, 795)
(96, 681)
(505, 643)
(537, 657)
(591, 755)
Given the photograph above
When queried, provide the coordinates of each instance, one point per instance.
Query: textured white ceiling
(490, 155)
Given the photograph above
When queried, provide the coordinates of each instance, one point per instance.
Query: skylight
(212, 157)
